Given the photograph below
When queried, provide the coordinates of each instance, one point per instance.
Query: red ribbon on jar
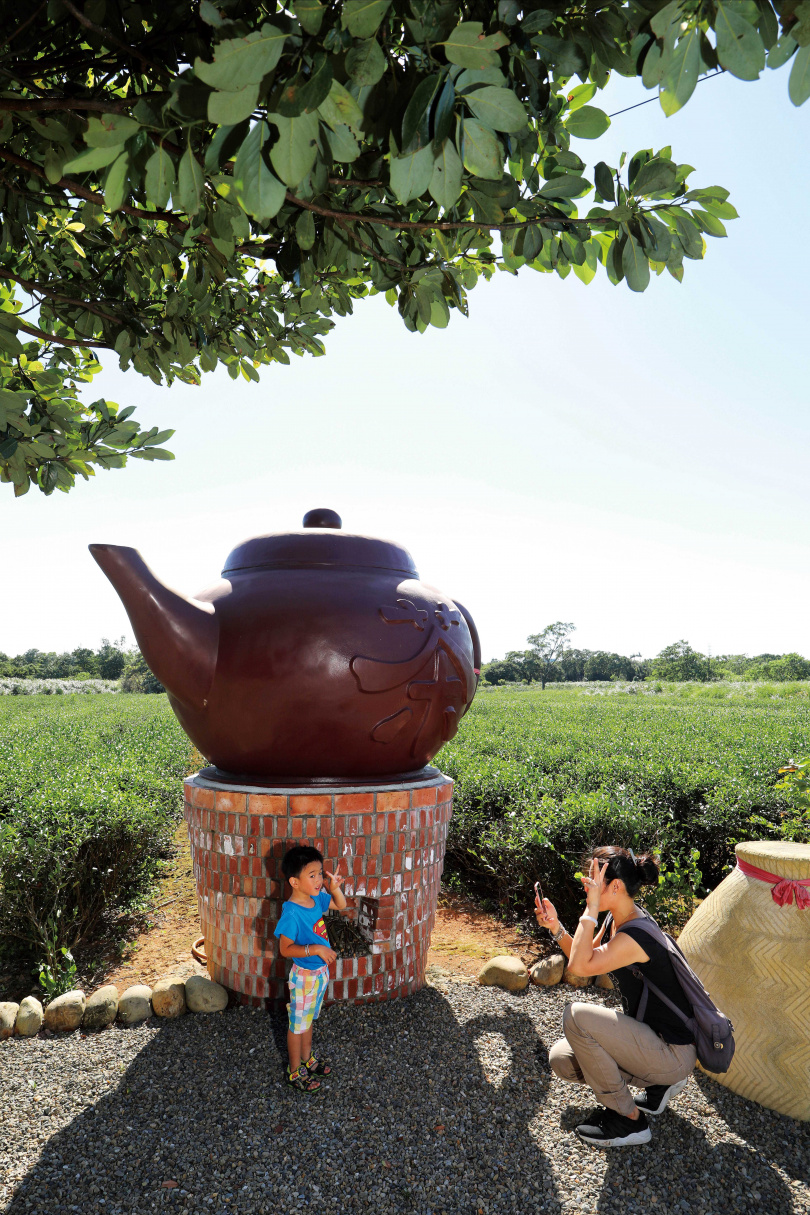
(783, 888)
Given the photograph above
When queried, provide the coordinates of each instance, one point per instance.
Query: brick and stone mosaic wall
(390, 841)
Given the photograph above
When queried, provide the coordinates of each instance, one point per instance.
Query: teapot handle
(476, 646)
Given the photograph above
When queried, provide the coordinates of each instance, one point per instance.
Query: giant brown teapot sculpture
(318, 656)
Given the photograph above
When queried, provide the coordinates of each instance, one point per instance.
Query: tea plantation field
(541, 775)
(90, 791)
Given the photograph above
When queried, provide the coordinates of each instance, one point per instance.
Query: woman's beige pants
(608, 1050)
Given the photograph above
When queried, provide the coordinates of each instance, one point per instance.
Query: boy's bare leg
(299, 1048)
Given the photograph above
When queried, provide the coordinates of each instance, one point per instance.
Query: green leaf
(257, 189)
(210, 14)
(800, 32)
(439, 313)
(310, 14)
(689, 236)
(587, 123)
(469, 47)
(116, 183)
(481, 152)
(306, 92)
(93, 158)
(365, 63)
(227, 108)
(655, 62)
(296, 149)
(535, 21)
(110, 130)
(603, 180)
(469, 77)
(799, 82)
(410, 175)
(445, 184)
(779, 55)
(656, 238)
(241, 61)
(498, 109)
(565, 186)
(159, 177)
(655, 177)
(342, 144)
(581, 95)
(666, 17)
(362, 18)
(709, 223)
(340, 108)
(305, 230)
(54, 164)
(739, 47)
(767, 24)
(190, 182)
(635, 265)
(415, 119)
(681, 74)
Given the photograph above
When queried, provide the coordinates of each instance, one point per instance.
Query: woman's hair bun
(647, 869)
(634, 871)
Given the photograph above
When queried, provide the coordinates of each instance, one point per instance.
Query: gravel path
(441, 1103)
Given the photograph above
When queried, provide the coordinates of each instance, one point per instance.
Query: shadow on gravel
(411, 1122)
(426, 1114)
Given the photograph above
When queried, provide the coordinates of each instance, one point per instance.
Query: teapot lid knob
(323, 517)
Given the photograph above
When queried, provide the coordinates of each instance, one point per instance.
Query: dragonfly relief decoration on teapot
(318, 656)
(436, 678)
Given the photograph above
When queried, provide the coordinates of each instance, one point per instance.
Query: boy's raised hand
(333, 881)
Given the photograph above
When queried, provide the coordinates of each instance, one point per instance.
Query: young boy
(302, 936)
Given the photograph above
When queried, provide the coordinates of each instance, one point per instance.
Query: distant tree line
(551, 659)
(110, 661)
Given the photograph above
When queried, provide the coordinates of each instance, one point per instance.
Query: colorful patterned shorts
(307, 989)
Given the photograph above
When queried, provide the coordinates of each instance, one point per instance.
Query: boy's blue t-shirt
(305, 926)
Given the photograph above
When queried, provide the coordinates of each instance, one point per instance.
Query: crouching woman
(606, 1049)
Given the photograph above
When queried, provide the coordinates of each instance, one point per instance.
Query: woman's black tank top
(658, 971)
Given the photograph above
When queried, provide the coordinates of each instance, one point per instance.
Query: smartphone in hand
(538, 890)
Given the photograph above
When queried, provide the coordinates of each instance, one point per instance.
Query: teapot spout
(178, 637)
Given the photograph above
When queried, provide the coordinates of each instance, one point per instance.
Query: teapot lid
(319, 544)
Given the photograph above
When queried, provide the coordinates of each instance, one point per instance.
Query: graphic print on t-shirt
(320, 929)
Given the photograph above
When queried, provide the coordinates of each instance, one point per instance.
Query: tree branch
(30, 286)
(167, 217)
(52, 337)
(412, 225)
(69, 104)
(379, 257)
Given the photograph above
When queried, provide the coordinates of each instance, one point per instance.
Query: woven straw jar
(754, 958)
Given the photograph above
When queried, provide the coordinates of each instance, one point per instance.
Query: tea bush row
(541, 776)
(90, 792)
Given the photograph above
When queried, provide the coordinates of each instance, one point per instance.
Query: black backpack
(711, 1029)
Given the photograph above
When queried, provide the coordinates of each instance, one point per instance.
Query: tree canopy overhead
(193, 184)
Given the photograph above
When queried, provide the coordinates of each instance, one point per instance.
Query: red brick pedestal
(390, 840)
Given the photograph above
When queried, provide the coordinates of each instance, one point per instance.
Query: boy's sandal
(301, 1081)
(317, 1067)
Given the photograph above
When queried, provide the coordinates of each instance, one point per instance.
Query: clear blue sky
(632, 463)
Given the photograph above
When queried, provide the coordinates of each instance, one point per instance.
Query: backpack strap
(648, 925)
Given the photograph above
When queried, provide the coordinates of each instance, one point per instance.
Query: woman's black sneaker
(655, 1099)
(605, 1128)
